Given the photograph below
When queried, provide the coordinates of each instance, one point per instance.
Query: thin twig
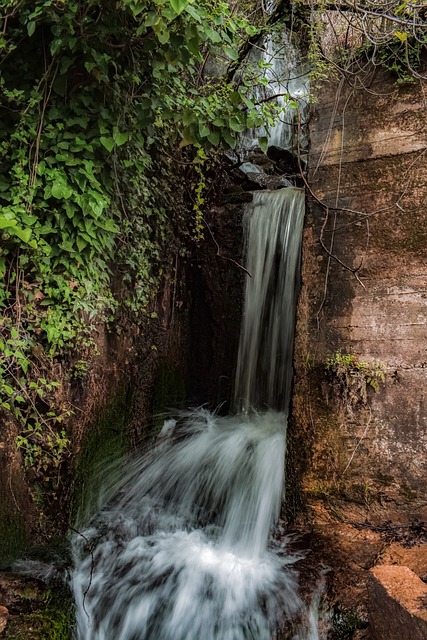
(92, 565)
(359, 441)
(219, 254)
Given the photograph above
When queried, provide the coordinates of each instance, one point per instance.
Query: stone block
(397, 604)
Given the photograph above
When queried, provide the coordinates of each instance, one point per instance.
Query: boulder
(4, 616)
(397, 604)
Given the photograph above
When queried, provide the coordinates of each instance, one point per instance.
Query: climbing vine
(102, 105)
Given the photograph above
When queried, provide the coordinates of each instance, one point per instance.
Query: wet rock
(397, 604)
(21, 595)
(285, 160)
(249, 167)
(259, 158)
(255, 181)
(4, 616)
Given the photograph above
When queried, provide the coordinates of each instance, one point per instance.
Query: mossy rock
(47, 625)
(37, 612)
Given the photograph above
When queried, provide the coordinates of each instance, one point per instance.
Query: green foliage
(392, 36)
(351, 378)
(95, 101)
(402, 56)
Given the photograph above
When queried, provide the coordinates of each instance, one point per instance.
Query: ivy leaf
(108, 143)
(81, 243)
(22, 234)
(5, 222)
(178, 5)
(61, 191)
(120, 138)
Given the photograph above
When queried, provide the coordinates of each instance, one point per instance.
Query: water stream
(286, 82)
(183, 550)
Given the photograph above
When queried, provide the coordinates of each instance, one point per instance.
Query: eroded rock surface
(397, 604)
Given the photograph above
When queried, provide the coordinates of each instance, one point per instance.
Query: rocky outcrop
(397, 604)
(364, 291)
(357, 448)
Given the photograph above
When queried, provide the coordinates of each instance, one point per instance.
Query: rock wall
(364, 295)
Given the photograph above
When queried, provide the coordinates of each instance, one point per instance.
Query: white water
(286, 79)
(181, 553)
(273, 227)
(183, 549)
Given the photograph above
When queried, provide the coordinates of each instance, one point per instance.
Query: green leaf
(401, 35)
(108, 143)
(263, 143)
(6, 222)
(162, 35)
(229, 139)
(81, 243)
(231, 53)
(237, 126)
(61, 191)
(251, 30)
(31, 27)
(120, 138)
(178, 5)
(214, 138)
(22, 234)
(204, 130)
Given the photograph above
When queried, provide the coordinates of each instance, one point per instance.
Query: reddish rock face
(397, 604)
(364, 292)
(4, 616)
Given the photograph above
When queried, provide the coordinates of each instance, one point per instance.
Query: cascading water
(286, 82)
(181, 551)
(273, 235)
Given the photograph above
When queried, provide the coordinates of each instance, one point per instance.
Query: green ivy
(105, 108)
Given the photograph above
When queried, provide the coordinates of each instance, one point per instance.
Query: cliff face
(364, 297)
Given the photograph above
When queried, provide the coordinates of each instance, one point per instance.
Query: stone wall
(364, 293)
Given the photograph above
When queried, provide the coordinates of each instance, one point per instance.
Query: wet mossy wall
(17, 513)
(102, 449)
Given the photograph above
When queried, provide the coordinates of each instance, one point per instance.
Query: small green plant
(352, 378)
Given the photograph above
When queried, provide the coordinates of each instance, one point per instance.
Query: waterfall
(183, 550)
(181, 553)
(273, 226)
(286, 81)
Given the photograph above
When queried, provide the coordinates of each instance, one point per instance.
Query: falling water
(273, 226)
(286, 81)
(182, 551)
